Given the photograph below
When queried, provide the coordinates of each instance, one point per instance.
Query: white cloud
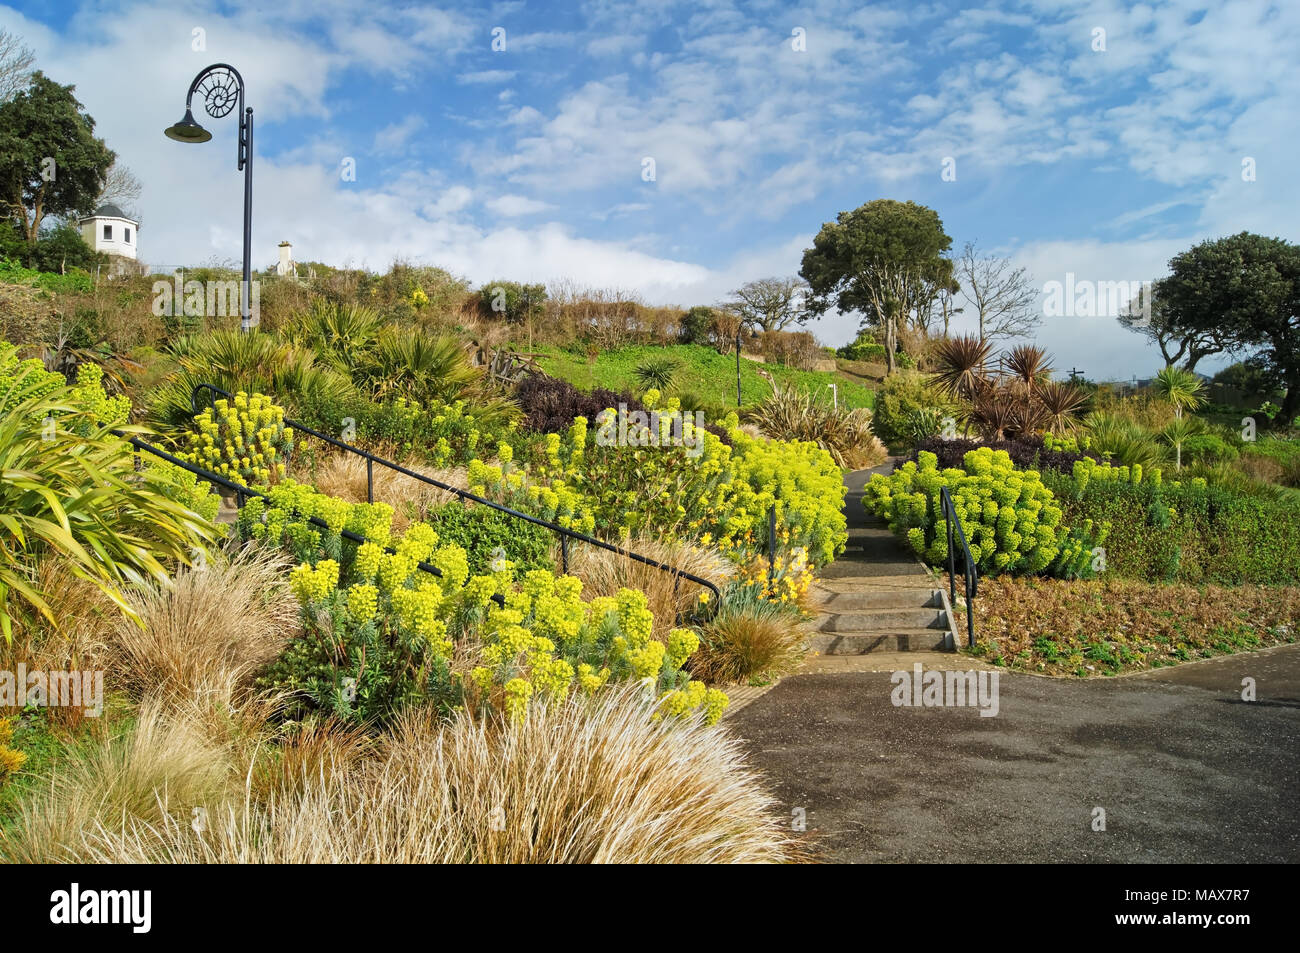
(486, 76)
(395, 135)
(510, 206)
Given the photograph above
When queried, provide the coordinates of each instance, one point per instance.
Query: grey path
(1185, 770)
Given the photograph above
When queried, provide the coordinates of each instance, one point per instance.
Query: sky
(679, 150)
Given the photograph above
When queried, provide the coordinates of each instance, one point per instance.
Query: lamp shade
(187, 130)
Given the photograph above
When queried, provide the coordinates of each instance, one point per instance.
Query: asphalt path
(1175, 764)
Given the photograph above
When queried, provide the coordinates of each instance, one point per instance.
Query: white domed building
(110, 231)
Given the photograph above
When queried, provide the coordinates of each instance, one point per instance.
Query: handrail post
(370, 479)
(771, 546)
(564, 553)
(970, 618)
(952, 557)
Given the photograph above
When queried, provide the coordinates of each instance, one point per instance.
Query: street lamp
(222, 90)
(740, 329)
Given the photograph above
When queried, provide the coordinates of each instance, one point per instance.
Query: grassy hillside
(705, 373)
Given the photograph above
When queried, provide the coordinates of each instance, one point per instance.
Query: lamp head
(187, 130)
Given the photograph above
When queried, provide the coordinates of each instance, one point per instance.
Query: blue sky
(527, 162)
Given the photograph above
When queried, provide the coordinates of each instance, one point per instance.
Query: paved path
(1185, 770)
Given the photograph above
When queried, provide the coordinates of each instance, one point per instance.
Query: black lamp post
(222, 89)
(740, 330)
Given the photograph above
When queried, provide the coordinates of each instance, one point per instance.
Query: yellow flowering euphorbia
(243, 439)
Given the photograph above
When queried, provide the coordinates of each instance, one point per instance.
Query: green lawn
(708, 375)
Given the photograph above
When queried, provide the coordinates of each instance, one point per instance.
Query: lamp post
(739, 330)
(222, 90)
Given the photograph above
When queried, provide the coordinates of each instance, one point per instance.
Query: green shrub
(908, 410)
(1012, 521)
(864, 347)
(696, 325)
(487, 534)
(442, 434)
(1207, 448)
(1185, 530)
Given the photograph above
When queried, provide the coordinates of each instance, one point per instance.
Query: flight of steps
(876, 597)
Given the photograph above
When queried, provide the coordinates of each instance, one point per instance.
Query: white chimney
(286, 267)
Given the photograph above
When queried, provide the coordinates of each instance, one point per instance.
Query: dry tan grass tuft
(580, 782)
(344, 475)
(603, 573)
(86, 620)
(736, 648)
(204, 637)
(164, 765)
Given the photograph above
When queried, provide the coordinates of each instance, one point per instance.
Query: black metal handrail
(244, 493)
(565, 533)
(972, 575)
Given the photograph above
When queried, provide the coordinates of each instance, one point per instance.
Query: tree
(882, 259)
(772, 304)
(122, 189)
(51, 163)
(1184, 390)
(1156, 322)
(62, 248)
(1003, 298)
(1244, 289)
(16, 61)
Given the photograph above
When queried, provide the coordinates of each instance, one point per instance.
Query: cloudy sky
(514, 140)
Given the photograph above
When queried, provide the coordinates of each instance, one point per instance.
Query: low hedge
(1182, 531)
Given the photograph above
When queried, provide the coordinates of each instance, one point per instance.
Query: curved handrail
(242, 492)
(969, 571)
(564, 532)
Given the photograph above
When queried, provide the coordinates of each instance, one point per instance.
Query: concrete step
(910, 581)
(859, 567)
(862, 643)
(884, 620)
(876, 598)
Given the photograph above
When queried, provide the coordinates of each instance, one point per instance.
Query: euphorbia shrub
(1012, 521)
(243, 440)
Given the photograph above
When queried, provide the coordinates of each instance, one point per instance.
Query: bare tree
(772, 304)
(16, 61)
(122, 188)
(1002, 298)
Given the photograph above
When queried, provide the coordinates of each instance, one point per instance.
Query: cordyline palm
(78, 499)
(961, 365)
(1028, 366)
(1061, 405)
(1181, 388)
(1177, 432)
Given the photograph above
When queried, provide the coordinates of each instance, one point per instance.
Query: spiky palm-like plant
(1181, 388)
(69, 491)
(1177, 432)
(1028, 366)
(340, 334)
(657, 372)
(257, 362)
(1061, 403)
(961, 362)
(408, 363)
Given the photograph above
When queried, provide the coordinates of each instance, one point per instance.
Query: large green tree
(1242, 291)
(51, 162)
(885, 260)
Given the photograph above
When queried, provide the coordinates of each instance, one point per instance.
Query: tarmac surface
(1184, 769)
